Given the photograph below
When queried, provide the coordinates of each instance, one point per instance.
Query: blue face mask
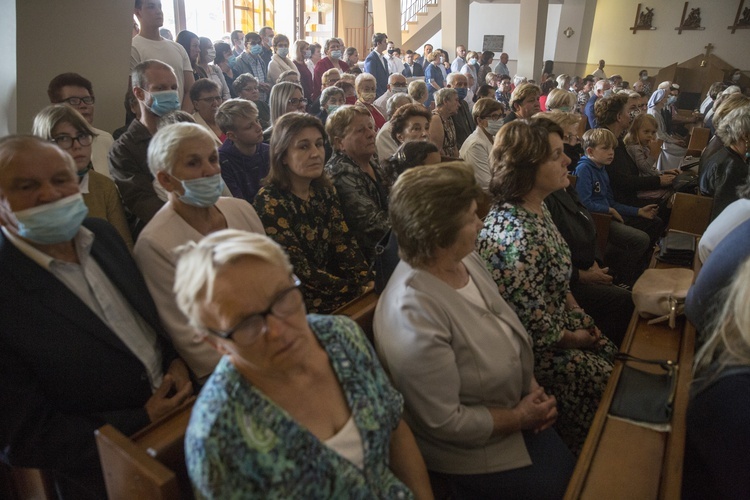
(202, 192)
(332, 107)
(462, 93)
(472, 61)
(164, 102)
(256, 49)
(54, 222)
(283, 51)
(671, 100)
(335, 54)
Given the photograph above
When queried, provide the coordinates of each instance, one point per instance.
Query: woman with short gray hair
(442, 130)
(184, 160)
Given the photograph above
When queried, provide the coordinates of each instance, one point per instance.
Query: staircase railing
(410, 9)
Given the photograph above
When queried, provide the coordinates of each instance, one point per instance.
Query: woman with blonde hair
(717, 442)
(365, 86)
(560, 100)
(70, 131)
(418, 91)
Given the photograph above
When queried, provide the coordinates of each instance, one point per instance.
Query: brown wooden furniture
(690, 213)
(602, 222)
(621, 460)
(698, 141)
(18, 483)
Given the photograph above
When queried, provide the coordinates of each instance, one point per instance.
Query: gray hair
(241, 81)
(453, 76)
(443, 95)
(560, 98)
(735, 127)
(361, 79)
(12, 145)
(280, 94)
(518, 80)
(328, 92)
(199, 263)
(164, 146)
(418, 90)
(396, 101)
(138, 75)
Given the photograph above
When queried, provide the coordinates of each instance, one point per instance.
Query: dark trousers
(609, 305)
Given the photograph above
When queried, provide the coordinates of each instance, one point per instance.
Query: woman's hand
(580, 339)
(648, 212)
(537, 411)
(595, 275)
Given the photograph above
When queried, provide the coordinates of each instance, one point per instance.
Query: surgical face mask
(671, 100)
(335, 54)
(203, 191)
(164, 101)
(211, 54)
(462, 92)
(397, 89)
(332, 107)
(607, 93)
(442, 59)
(54, 222)
(367, 97)
(307, 54)
(736, 77)
(269, 40)
(493, 126)
(565, 109)
(256, 49)
(472, 61)
(283, 51)
(644, 77)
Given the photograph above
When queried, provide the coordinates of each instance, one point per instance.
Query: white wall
(8, 65)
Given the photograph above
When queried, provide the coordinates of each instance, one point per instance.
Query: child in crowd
(638, 143)
(593, 182)
(243, 157)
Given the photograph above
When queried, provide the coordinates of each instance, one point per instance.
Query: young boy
(244, 157)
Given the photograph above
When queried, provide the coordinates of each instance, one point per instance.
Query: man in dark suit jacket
(375, 64)
(411, 68)
(80, 340)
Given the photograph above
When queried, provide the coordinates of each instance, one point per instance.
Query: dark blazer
(626, 180)
(374, 66)
(409, 72)
(63, 372)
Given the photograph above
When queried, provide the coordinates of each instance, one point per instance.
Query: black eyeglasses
(66, 141)
(250, 329)
(76, 101)
(211, 99)
(294, 101)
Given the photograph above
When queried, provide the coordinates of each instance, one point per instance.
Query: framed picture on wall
(493, 43)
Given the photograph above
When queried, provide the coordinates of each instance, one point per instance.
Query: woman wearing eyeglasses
(286, 97)
(65, 126)
(184, 160)
(206, 97)
(301, 212)
(299, 406)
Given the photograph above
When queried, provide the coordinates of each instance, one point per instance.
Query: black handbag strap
(667, 364)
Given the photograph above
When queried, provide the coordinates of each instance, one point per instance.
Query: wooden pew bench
(150, 465)
(621, 460)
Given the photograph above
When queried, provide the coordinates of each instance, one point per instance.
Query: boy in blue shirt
(596, 193)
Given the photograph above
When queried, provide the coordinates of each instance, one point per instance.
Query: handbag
(644, 396)
(661, 293)
(685, 182)
(677, 248)
(386, 260)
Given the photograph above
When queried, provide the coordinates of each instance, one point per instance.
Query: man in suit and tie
(411, 68)
(80, 340)
(375, 63)
(426, 51)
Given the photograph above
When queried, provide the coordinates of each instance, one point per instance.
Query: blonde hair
(640, 121)
(199, 263)
(559, 98)
(418, 91)
(47, 119)
(231, 110)
(562, 118)
(599, 137)
(339, 121)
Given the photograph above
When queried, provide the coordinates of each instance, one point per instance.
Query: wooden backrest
(361, 310)
(151, 463)
(573, 179)
(602, 222)
(698, 140)
(655, 147)
(690, 213)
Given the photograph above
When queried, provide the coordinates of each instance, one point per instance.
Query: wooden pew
(151, 463)
(690, 213)
(621, 460)
(698, 140)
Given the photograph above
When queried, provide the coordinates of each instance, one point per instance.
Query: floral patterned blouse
(240, 444)
(323, 252)
(531, 264)
(364, 200)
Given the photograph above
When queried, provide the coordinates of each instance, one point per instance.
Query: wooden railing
(359, 38)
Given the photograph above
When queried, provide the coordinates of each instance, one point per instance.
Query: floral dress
(324, 254)
(240, 444)
(448, 147)
(530, 262)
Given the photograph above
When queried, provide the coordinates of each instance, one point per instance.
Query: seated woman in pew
(531, 266)
(355, 173)
(735, 214)
(458, 353)
(728, 105)
(70, 131)
(301, 211)
(299, 406)
(727, 169)
(717, 441)
(184, 161)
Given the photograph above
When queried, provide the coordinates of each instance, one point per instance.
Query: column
(386, 15)
(455, 24)
(531, 35)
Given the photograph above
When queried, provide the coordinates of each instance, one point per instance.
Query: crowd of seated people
(138, 263)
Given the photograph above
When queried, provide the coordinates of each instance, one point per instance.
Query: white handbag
(660, 294)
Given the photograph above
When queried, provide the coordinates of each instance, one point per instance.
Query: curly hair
(402, 115)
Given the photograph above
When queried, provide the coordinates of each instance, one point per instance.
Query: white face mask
(211, 54)
(736, 77)
(607, 93)
(644, 77)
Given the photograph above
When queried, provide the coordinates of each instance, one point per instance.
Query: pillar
(386, 16)
(455, 24)
(531, 35)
